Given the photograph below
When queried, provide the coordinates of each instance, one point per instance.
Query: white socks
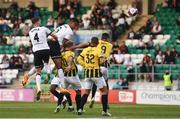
(47, 68)
(61, 74)
(32, 71)
(38, 82)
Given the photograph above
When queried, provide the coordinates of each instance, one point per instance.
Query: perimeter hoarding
(158, 97)
(17, 95)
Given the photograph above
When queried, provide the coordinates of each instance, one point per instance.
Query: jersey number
(103, 49)
(89, 57)
(36, 37)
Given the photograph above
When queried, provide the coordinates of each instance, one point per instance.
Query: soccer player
(71, 73)
(91, 59)
(104, 48)
(41, 51)
(55, 49)
(71, 77)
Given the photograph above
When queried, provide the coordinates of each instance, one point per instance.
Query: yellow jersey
(105, 48)
(65, 59)
(89, 59)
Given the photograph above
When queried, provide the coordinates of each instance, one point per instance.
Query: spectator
(121, 22)
(112, 4)
(26, 29)
(22, 49)
(131, 34)
(18, 63)
(156, 29)
(2, 78)
(159, 58)
(80, 21)
(72, 13)
(117, 58)
(130, 68)
(50, 22)
(5, 62)
(167, 81)
(12, 62)
(3, 40)
(174, 53)
(25, 60)
(165, 3)
(178, 21)
(150, 71)
(121, 84)
(33, 9)
(150, 44)
(141, 44)
(143, 71)
(123, 48)
(76, 4)
(168, 58)
(86, 23)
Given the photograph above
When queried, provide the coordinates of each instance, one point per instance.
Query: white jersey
(62, 31)
(38, 37)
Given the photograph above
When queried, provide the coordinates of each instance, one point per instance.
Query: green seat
(158, 68)
(166, 67)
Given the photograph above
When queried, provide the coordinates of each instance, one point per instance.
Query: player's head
(73, 23)
(67, 38)
(36, 21)
(68, 44)
(105, 36)
(94, 41)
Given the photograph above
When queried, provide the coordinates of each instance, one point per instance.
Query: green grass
(45, 110)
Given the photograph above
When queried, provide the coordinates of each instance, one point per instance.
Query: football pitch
(46, 110)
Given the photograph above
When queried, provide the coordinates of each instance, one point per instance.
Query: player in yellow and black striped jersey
(104, 48)
(91, 59)
(70, 73)
(66, 54)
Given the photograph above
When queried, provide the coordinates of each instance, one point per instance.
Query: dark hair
(35, 19)
(73, 20)
(94, 40)
(105, 36)
(67, 44)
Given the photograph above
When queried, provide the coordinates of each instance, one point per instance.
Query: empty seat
(167, 36)
(128, 42)
(159, 37)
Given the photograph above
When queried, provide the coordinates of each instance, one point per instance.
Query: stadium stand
(15, 40)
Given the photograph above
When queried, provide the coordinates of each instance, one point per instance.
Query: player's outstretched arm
(54, 37)
(81, 45)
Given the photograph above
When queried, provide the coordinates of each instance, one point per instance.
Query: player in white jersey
(55, 50)
(41, 51)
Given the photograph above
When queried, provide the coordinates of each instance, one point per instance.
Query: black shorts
(41, 57)
(55, 49)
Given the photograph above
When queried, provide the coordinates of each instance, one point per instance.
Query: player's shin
(60, 74)
(38, 82)
(104, 100)
(78, 99)
(83, 100)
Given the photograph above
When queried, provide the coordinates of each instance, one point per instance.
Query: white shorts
(73, 81)
(56, 81)
(100, 82)
(104, 72)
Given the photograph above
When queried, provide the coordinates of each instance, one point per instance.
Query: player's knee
(52, 88)
(104, 90)
(87, 91)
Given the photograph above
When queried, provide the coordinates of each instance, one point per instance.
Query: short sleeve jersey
(105, 48)
(91, 57)
(38, 37)
(62, 31)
